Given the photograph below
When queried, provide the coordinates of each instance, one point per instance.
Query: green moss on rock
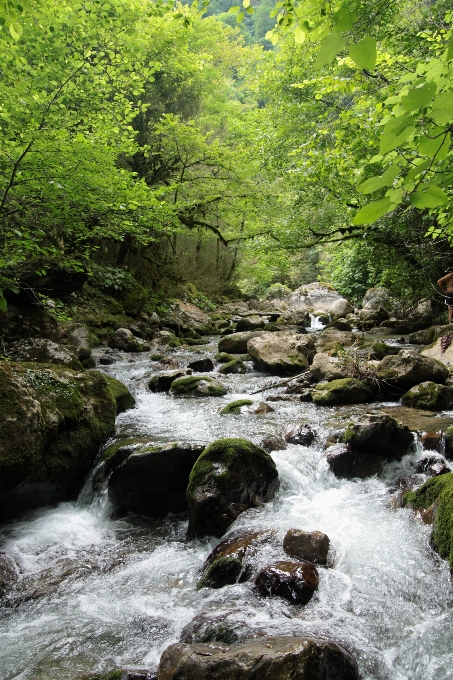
(441, 489)
(430, 396)
(190, 385)
(342, 391)
(235, 366)
(235, 406)
(223, 357)
(223, 571)
(123, 398)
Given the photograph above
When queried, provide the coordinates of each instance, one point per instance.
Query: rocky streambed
(93, 589)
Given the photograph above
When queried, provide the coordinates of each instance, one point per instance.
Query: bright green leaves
(374, 183)
(435, 146)
(364, 53)
(344, 19)
(431, 197)
(332, 46)
(442, 111)
(373, 211)
(396, 132)
(418, 97)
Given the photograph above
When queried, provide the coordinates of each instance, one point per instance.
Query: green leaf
(390, 141)
(246, 3)
(234, 10)
(373, 211)
(450, 50)
(15, 30)
(418, 96)
(442, 111)
(240, 17)
(299, 36)
(364, 53)
(344, 19)
(433, 197)
(398, 124)
(437, 147)
(414, 172)
(331, 46)
(374, 183)
(3, 304)
(250, 10)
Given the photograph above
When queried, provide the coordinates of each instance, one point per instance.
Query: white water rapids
(99, 591)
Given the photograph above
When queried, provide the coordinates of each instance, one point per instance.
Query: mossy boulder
(223, 357)
(123, 398)
(234, 407)
(430, 396)
(408, 368)
(53, 421)
(236, 366)
(231, 476)
(42, 351)
(133, 298)
(152, 480)
(343, 391)
(236, 343)
(437, 494)
(162, 381)
(126, 341)
(197, 386)
(282, 353)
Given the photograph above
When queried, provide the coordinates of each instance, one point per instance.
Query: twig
(279, 384)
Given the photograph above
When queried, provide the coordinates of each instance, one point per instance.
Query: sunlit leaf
(418, 96)
(344, 19)
(442, 111)
(373, 211)
(390, 141)
(299, 36)
(332, 45)
(432, 197)
(437, 147)
(364, 53)
(16, 30)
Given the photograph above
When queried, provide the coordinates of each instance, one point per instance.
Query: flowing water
(98, 590)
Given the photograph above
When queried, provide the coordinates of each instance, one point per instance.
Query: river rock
(329, 338)
(310, 546)
(318, 296)
(197, 386)
(8, 574)
(230, 476)
(377, 298)
(52, 423)
(162, 381)
(153, 479)
(21, 323)
(327, 368)
(204, 365)
(234, 367)
(344, 391)
(123, 398)
(49, 276)
(185, 316)
(43, 351)
(269, 658)
(431, 441)
(126, 341)
(78, 337)
(378, 433)
(231, 560)
(223, 357)
(294, 581)
(302, 435)
(296, 317)
(236, 343)
(249, 323)
(435, 352)
(273, 442)
(220, 622)
(342, 461)
(282, 353)
(429, 396)
(408, 368)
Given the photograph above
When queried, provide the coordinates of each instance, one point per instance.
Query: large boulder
(219, 621)
(296, 582)
(231, 476)
(318, 296)
(162, 381)
(53, 421)
(236, 343)
(20, 323)
(282, 353)
(126, 341)
(343, 391)
(249, 323)
(296, 317)
(8, 574)
(378, 298)
(231, 561)
(408, 368)
(378, 433)
(268, 658)
(327, 368)
(184, 316)
(43, 351)
(123, 398)
(153, 479)
(197, 386)
(329, 338)
(78, 337)
(441, 350)
(48, 276)
(429, 396)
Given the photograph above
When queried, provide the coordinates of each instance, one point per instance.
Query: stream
(100, 590)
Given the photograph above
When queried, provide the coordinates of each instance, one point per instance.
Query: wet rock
(422, 337)
(296, 582)
(21, 323)
(273, 443)
(231, 476)
(302, 435)
(236, 366)
(327, 368)
(185, 316)
(236, 343)
(223, 357)
(306, 395)
(236, 407)
(219, 622)
(310, 546)
(249, 323)
(42, 351)
(408, 368)
(344, 391)
(202, 365)
(341, 460)
(429, 396)
(329, 338)
(89, 362)
(230, 561)
(123, 398)
(431, 440)
(197, 386)
(378, 433)
(448, 441)
(431, 466)
(281, 353)
(8, 574)
(107, 360)
(45, 275)
(153, 479)
(296, 317)
(52, 423)
(269, 658)
(126, 341)
(161, 382)
(78, 337)
(339, 325)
